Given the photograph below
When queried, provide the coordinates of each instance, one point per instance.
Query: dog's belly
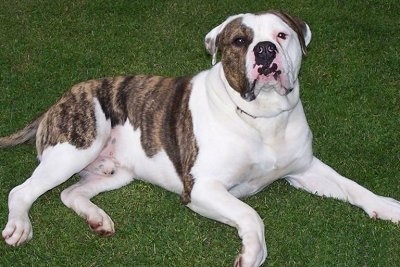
(157, 169)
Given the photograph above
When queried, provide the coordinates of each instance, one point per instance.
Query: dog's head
(260, 52)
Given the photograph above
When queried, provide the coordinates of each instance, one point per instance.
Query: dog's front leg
(322, 180)
(211, 199)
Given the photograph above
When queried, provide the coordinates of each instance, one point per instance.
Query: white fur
(238, 156)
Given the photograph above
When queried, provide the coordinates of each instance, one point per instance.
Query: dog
(223, 134)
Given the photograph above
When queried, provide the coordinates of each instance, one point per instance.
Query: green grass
(350, 90)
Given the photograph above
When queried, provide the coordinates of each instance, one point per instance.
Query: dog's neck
(265, 106)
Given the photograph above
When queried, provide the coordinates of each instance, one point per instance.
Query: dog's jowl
(213, 138)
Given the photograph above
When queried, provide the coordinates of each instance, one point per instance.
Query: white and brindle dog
(213, 138)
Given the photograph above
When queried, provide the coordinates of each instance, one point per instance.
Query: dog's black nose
(265, 53)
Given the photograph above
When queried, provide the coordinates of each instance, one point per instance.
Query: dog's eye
(282, 35)
(240, 41)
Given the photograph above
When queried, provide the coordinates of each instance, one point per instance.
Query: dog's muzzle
(264, 53)
(266, 70)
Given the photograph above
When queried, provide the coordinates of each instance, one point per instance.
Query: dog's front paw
(252, 254)
(17, 231)
(385, 208)
(101, 223)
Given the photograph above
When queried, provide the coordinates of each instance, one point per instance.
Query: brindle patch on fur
(233, 56)
(161, 111)
(71, 119)
(113, 94)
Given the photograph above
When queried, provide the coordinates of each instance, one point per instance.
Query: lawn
(350, 89)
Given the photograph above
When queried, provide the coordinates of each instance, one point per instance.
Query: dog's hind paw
(103, 166)
(101, 223)
(17, 231)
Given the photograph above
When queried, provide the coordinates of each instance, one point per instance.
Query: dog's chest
(247, 164)
(246, 158)
(261, 165)
(268, 166)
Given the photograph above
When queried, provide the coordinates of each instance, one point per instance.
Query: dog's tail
(25, 135)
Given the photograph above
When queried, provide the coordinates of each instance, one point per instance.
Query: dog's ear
(307, 34)
(211, 39)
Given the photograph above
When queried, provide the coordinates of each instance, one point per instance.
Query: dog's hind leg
(322, 180)
(66, 145)
(58, 163)
(77, 197)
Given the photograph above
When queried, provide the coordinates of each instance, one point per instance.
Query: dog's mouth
(267, 70)
(267, 78)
